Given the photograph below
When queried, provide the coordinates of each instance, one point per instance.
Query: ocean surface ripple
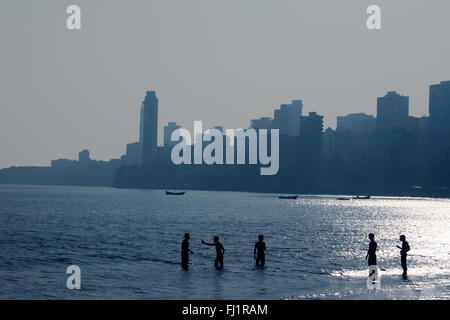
(127, 244)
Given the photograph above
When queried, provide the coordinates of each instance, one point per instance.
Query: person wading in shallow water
(220, 250)
(259, 252)
(185, 252)
(403, 252)
(372, 253)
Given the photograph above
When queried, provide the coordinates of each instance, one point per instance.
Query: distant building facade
(149, 127)
(392, 112)
(63, 163)
(84, 157)
(261, 123)
(171, 127)
(358, 122)
(133, 154)
(287, 118)
(440, 109)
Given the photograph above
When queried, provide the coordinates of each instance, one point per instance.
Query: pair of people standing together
(372, 256)
(258, 253)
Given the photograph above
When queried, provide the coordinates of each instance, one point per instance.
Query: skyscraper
(311, 126)
(83, 156)
(287, 118)
(392, 112)
(438, 153)
(440, 110)
(149, 127)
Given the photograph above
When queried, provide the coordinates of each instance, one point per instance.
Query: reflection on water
(127, 243)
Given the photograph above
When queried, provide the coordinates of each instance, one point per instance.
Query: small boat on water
(175, 193)
(343, 198)
(361, 197)
(288, 197)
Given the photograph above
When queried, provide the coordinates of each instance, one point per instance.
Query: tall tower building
(149, 127)
(440, 110)
(287, 118)
(84, 157)
(392, 112)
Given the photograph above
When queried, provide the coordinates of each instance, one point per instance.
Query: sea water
(127, 245)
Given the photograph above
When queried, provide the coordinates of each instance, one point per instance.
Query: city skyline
(205, 151)
(151, 101)
(391, 153)
(65, 90)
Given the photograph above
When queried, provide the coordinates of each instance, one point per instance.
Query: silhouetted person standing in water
(403, 251)
(259, 252)
(185, 251)
(372, 253)
(220, 250)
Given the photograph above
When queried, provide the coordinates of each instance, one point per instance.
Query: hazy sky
(223, 62)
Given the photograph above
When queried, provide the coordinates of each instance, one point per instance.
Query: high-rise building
(352, 135)
(149, 127)
(310, 146)
(141, 124)
(440, 109)
(311, 126)
(329, 144)
(83, 156)
(438, 142)
(171, 127)
(392, 112)
(287, 118)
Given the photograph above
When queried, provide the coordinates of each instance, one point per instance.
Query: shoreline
(268, 192)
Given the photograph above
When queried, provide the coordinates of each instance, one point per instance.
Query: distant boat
(361, 197)
(287, 197)
(343, 198)
(175, 193)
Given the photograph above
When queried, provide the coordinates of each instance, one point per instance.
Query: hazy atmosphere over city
(222, 62)
(301, 149)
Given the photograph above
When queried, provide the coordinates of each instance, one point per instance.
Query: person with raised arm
(220, 250)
